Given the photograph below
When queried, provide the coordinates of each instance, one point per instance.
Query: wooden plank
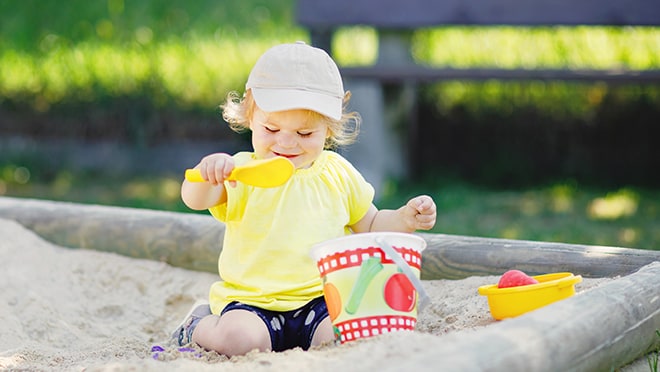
(187, 240)
(456, 257)
(413, 14)
(598, 330)
(419, 73)
(194, 242)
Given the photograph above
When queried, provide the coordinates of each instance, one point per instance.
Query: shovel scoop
(271, 172)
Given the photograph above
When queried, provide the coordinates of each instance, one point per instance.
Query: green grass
(40, 25)
(654, 357)
(545, 47)
(180, 53)
(190, 53)
(561, 212)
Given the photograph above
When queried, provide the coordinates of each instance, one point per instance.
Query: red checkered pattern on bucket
(375, 325)
(354, 257)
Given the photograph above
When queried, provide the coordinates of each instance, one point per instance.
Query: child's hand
(215, 168)
(420, 213)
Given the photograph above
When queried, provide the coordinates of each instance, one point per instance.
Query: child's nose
(286, 139)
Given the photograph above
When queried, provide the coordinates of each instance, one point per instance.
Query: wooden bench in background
(380, 152)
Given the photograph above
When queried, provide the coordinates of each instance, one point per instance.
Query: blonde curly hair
(238, 112)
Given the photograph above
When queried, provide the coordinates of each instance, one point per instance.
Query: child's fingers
(212, 173)
(423, 212)
(215, 169)
(423, 204)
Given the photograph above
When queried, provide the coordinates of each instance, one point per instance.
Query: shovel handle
(194, 175)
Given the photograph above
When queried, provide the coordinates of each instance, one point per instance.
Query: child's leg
(236, 332)
(324, 333)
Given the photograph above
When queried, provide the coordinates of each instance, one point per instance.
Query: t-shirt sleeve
(360, 194)
(219, 211)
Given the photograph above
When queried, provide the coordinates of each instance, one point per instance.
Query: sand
(71, 309)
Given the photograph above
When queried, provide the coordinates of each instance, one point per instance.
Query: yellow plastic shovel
(271, 172)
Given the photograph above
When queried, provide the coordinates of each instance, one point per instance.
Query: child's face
(288, 133)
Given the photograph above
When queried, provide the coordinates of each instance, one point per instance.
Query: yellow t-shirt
(265, 258)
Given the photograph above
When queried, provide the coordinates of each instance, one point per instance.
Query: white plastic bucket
(366, 291)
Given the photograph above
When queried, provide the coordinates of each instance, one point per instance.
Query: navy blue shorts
(289, 329)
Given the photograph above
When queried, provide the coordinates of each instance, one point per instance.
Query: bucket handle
(424, 299)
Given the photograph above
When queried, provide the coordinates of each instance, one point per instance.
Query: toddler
(270, 296)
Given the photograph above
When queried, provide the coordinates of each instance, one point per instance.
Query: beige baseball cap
(297, 76)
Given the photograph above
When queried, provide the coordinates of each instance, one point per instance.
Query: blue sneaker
(182, 335)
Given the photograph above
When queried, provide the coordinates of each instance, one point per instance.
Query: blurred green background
(90, 90)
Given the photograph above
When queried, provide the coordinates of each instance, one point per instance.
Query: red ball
(515, 278)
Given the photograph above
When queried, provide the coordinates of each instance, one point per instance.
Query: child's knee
(324, 333)
(231, 337)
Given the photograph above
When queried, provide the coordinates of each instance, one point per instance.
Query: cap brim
(271, 100)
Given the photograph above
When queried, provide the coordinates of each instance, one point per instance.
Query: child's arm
(203, 195)
(419, 213)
